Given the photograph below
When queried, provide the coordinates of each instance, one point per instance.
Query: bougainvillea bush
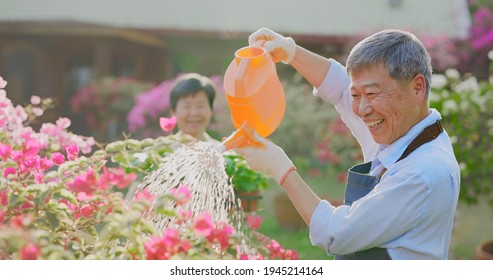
(105, 103)
(60, 198)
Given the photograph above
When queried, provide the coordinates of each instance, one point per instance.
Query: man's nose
(365, 107)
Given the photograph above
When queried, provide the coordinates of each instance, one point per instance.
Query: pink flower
(31, 147)
(185, 245)
(5, 151)
(243, 256)
(182, 194)
(16, 155)
(3, 198)
(254, 222)
(35, 100)
(167, 124)
(63, 123)
(32, 162)
(165, 247)
(117, 177)
(46, 163)
(221, 235)
(38, 112)
(290, 255)
(155, 249)
(72, 151)
(82, 196)
(183, 216)
(86, 182)
(275, 249)
(84, 211)
(8, 171)
(144, 195)
(203, 224)
(17, 221)
(171, 239)
(29, 252)
(3, 83)
(38, 177)
(57, 158)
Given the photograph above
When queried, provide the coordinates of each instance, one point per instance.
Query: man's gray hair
(402, 54)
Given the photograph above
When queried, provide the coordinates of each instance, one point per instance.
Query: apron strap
(429, 133)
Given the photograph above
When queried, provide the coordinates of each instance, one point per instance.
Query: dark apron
(360, 183)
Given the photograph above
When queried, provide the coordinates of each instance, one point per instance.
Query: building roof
(229, 18)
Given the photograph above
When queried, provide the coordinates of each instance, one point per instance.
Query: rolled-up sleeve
(334, 89)
(318, 224)
(335, 83)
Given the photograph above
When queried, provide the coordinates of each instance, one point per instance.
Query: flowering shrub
(105, 101)
(480, 40)
(59, 202)
(465, 105)
(242, 177)
(336, 152)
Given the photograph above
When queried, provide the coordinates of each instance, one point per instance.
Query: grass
(473, 224)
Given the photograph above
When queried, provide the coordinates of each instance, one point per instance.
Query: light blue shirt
(411, 211)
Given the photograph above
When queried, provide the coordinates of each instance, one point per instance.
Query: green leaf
(53, 219)
(68, 195)
(146, 143)
(165, 212)
(132, 144)
(84, 236)
(115, 147)
(121, 158)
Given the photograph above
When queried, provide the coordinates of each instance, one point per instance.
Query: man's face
(193, 114)
(388, 108)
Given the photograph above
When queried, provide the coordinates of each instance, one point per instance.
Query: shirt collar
(389, 154)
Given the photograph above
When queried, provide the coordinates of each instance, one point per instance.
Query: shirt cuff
(335, 83)
(319, 225)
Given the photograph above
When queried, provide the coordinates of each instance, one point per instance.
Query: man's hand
(280, 48)
(266, 157)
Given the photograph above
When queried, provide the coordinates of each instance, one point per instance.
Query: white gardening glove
(280, 48)
(266, 157)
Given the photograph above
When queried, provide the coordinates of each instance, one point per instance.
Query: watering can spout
(241, 137)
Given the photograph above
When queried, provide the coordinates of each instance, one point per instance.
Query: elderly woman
(192, 100)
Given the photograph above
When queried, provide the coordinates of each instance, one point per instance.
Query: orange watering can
(254, 94)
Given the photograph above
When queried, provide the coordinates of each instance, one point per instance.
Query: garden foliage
(60, 198)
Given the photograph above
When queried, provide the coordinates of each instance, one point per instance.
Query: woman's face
(193, 114)
(388, 108)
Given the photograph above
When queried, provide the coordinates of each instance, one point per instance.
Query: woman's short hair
(191, 84)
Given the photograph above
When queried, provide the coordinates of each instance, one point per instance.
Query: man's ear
(418, 84)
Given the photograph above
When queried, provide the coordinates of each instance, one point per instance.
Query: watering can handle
(239, 89)
(240, 77)
(258, 44)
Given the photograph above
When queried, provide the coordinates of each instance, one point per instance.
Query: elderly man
(400, 203)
